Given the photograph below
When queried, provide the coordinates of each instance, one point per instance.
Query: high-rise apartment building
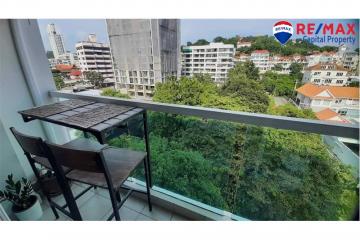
(215, 59)
(56, 41)
(95, 56)
(145, 51)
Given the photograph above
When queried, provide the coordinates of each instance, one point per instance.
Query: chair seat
(80, 143)
(120, 163)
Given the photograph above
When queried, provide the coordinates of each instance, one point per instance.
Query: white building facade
(347, 57)
(261, 59)
(215, 59)
(324, 57)
(241, 44)
(95, 56)
(242, 57)
(326, 74)
(342, 100)
(56, 41)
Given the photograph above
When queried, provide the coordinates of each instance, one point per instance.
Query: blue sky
(191, 29)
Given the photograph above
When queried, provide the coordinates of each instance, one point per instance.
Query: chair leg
(147, 185)
(114, 205)
(117, 194)
(53, 208)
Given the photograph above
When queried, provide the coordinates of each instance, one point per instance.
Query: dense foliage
(274, 47)
(240, 92)
(59, 81)
(110, 92)
(232, 40)
(278, 84)
(270, 43)
(95, 78)
(255, 172)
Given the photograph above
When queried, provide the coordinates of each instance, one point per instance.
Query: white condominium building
(56, 41)
(321, 57)
(94, 56)
(261, 59)
(350, 60)
(347, 57)
(215, 59)
(326, 74)
(242, 57)
(282, 64)
(145, 52)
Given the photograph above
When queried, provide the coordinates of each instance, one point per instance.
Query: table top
(83, 115)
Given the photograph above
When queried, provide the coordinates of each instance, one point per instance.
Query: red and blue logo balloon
(283, 31)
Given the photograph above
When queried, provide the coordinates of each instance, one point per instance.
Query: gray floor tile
(142, 217)
(96, 205)
(101, 191)
(49, 216)
(176, 217)
(95, 208)
(76, 189)
(135, 204)
(126, 214)
(157, 213)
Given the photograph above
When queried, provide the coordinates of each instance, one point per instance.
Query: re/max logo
(326, 28)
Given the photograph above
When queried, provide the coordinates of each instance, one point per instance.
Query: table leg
(100, 137)
(146, 137)
(86, 135)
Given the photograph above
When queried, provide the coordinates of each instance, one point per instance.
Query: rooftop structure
(329, 115)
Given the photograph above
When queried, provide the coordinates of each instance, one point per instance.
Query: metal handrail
(264, 120)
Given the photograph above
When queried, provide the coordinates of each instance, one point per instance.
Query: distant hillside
(270, 43)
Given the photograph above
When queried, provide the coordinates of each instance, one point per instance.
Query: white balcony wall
(25, 80)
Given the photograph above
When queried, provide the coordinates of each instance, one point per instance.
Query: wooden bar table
(99, 119)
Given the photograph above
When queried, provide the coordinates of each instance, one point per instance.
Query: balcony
(190, 172)
(95, 205)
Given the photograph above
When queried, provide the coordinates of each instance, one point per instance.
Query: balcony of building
(22, 47)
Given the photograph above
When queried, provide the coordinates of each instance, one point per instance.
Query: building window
(338, 101)
(339, 74)
(327, 80)
(342, 112)
(316, 102)
(339, 81)
(326, 103)
(328, 73)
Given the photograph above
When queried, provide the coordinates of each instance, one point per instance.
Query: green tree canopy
(95, 78)
(295, 71)
(278, 84)
(200, 42)
(59, 81)
(110, 92)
